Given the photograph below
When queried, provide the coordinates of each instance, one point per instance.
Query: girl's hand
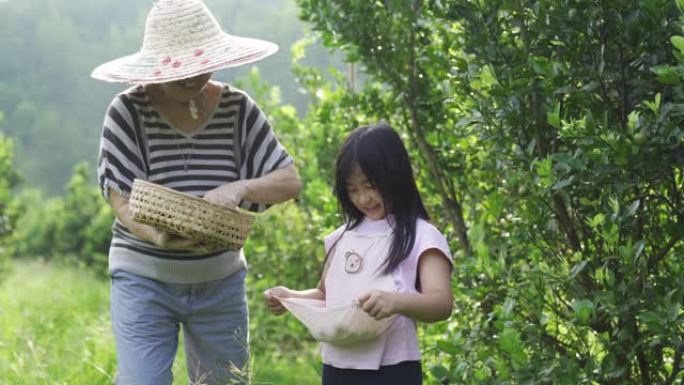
(378, 304)
(271, 298)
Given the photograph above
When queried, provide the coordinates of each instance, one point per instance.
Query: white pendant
(192, 107)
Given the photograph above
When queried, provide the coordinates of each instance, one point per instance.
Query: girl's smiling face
(365, 197)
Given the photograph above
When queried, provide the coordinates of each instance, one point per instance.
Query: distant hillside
(54, 111)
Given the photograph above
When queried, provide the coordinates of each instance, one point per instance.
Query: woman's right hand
(271, 298)
(145, 232)
(170, 241)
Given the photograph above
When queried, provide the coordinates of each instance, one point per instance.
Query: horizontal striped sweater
(235, 142)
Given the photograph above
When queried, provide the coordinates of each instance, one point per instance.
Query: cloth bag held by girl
(338, 325)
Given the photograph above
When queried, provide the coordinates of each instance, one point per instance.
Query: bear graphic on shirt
(352, 262)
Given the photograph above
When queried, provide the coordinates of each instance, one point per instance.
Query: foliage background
(546, 138)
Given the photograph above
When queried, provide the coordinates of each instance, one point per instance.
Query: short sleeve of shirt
(428, 237)
(331, 238)
(261, 152)
(120, 159)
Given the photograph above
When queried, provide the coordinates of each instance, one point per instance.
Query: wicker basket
(213, 226)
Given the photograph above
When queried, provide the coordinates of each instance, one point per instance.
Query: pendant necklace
(194, 111)
(192, 108)
(186, 158)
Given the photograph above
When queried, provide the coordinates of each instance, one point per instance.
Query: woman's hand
(379, 304)
(172, 242)
(149, 233)
(271, 298)
(227, 195)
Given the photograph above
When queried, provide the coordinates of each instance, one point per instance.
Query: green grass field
(55, 329)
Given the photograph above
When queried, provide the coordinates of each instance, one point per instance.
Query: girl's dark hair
(381, 155)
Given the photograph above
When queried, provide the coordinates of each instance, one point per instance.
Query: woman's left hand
(227, 195)
(378, 304)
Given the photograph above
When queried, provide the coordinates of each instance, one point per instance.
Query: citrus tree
(549, 134)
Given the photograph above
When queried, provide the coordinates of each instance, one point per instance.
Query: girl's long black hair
(380, 153)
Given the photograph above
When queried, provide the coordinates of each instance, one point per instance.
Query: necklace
(192, 108)
(186, 158)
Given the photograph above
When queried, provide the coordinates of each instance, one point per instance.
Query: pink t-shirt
(399, 343)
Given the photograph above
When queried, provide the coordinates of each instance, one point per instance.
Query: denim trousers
(147, 316)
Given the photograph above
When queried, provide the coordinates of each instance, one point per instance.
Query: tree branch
(453, 206)
(663, 252)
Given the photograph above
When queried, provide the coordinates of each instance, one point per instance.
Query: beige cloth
(339, 325)
(355, 268)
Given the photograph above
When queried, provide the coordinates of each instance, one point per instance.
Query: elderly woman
(178, 128)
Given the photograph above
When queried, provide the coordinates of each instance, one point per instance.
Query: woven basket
(212, 226)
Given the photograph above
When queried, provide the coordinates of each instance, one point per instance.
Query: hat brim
(145, 68)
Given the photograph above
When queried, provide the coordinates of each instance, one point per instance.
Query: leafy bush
(555, 159)
(8, 179)
(74, 227)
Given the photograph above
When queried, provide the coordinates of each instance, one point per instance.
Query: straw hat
(182, 39)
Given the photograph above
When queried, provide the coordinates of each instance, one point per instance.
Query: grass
(55, 329)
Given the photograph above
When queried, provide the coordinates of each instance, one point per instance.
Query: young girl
(387, 261)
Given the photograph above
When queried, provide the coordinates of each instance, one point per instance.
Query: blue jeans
(146, 318)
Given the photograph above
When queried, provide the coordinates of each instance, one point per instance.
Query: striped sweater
(235, 142)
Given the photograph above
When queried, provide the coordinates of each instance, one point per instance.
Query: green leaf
(652, 320)
(486, 79)
(461, 368)
(591, 86)
(440, 372)
(583, 309)
(508, 307)
(562, 183)
(597, 220)
(553, 117)
(578, 268)
(545, 171)
(666, 74)
(633, 121)
(541, 66)
(639, 248)
(614, 204)
(678, 42)
(632, 208)
(482, 373)
(509, 340)
(448, 347)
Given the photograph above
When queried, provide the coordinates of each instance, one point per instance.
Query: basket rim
(193, 198)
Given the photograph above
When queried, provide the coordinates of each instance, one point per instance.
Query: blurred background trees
(8, 180)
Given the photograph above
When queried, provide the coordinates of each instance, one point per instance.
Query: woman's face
(185, 89)
(365, 197)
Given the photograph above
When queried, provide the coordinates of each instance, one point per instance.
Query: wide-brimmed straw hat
(182, 39)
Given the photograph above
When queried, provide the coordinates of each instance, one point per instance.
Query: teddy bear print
(352, 262)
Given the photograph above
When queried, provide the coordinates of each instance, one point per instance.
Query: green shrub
(553, 157)
(8, 180)
(75, 227)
